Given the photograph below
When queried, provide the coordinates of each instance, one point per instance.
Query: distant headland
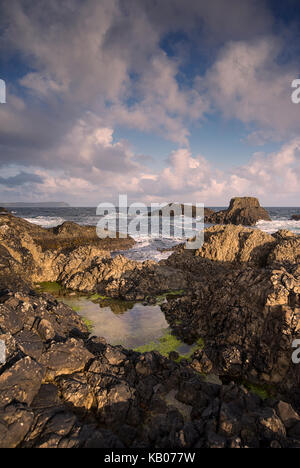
(35, 205)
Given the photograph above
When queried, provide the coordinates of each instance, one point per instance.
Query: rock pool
(132, 325)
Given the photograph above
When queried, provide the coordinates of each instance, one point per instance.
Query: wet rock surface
(242, 210)
(82, 392)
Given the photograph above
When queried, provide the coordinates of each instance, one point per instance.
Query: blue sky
(185, 101)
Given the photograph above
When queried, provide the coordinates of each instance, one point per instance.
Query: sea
(147, 247)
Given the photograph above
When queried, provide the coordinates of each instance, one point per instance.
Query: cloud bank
(86, 69)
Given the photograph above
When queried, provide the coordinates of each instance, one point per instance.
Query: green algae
(263, 391)
(97, 297)
(165, 345)
(168, 295)
(50, 287)
(187, 356)
(168, 343)
(88, 323)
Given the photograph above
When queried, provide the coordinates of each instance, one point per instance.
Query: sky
(173, 100)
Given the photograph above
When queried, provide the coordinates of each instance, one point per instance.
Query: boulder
(65, 358)
(295, 217)
(21, 382)
(229, 243)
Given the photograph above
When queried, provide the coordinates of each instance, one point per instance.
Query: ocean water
(147, 248)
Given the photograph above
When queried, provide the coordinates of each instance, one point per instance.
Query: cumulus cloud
(107, 57)
(89, 56)
(247, 82)
(90, 67)
(21, 179)
(273, 177)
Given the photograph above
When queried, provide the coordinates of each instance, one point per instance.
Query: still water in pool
(132, 325)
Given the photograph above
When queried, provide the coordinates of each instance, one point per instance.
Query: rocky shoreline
(240, 294)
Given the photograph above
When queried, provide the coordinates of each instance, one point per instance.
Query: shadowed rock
(243, 300)
(175, 209)
(242, 210)
(3, 211)
(105, 396)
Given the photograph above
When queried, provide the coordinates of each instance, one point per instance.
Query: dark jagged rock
(242, 210)
(243, 300)
(296, 217)
(102, 396)
(3, 211)
(174, 209)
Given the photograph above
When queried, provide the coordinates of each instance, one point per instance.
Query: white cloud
(97, 65)
(274, 177)
(88, 59)
(248, 83)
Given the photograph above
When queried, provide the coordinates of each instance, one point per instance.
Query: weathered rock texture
(296, 217)
(244, 301)
(84, 268)
(61, 389)
(31, 253)
(245, 210)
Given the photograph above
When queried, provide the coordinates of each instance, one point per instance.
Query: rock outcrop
(172, 209)
(295, 217)
(242, 210)
(61, 389)
(244, 302)
(38, 254)
(3, 211)
(27, 252)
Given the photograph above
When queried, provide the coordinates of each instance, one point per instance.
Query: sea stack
(242, 210)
